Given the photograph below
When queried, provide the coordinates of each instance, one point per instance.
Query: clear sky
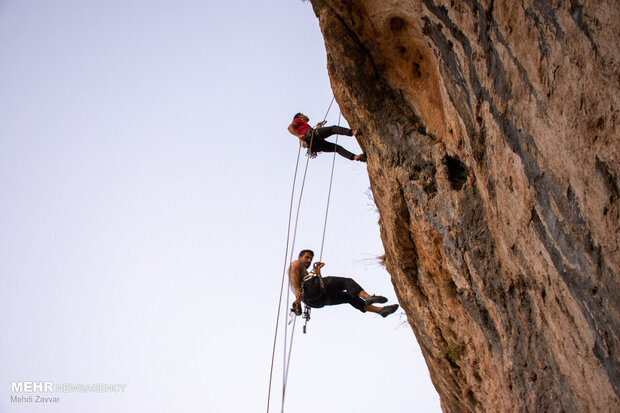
(145, 176)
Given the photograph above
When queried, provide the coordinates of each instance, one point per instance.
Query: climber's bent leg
(342, 290)
(328, 131)
(324, 146)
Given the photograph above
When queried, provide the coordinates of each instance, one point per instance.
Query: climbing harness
(303, 143)
(316, 272)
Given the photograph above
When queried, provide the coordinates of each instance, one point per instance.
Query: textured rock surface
(493, 155)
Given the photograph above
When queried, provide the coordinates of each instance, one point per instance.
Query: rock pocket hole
(397, 24)
(457, 172)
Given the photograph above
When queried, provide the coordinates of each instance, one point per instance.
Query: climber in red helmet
(314, 138)
(317, 291)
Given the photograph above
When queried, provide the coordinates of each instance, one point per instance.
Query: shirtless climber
(307, 135)
(317, 291)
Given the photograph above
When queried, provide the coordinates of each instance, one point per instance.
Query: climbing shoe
(388, 309)
(374, 299)
(363, 157)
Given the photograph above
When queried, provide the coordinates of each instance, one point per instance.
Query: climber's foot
(375, 299)
(388, 309)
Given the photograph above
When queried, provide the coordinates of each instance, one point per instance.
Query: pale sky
(145, 176)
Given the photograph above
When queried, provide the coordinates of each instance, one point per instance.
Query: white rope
(329, 194)
(287, 359)
(288, 233)
(288, 290)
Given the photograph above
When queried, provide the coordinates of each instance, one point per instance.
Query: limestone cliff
(493, 156)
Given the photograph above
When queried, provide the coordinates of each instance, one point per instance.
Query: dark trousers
(339, 290)
(319, 144)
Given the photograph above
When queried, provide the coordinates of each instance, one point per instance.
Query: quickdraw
(306, 317)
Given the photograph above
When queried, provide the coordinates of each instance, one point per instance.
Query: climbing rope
(288, 290)
(275, 337)
(308, 309)
(287, 360)
(329, 194)
(286, 363)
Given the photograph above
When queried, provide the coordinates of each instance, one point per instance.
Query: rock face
(493, 156)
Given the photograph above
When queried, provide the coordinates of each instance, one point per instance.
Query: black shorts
(338, 290)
